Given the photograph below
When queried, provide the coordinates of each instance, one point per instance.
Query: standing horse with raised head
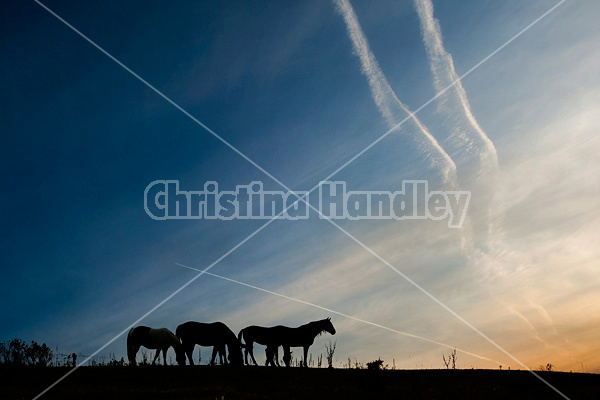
(215, 334)
(160, 339)
(302, 336)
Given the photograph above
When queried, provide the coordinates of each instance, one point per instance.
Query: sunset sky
(301, 88)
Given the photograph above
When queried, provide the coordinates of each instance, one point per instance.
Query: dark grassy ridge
(204, 382)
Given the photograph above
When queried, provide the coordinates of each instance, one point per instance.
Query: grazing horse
(159, 339)
(302, 336)
(215, 334)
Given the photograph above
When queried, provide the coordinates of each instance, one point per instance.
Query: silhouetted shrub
(376, 365)
(451, 362)
(17, 352)
(117, 363)
(330, 350)
(548, 367)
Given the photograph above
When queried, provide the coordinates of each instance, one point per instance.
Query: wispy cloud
(392, 109)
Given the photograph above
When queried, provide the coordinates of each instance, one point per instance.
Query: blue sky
(286, 85)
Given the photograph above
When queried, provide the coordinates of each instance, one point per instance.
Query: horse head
(180, 357)
(179, 352)
(329, 326)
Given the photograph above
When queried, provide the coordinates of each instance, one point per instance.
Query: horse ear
(328, 318)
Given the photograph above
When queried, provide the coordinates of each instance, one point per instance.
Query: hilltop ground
(204, 382)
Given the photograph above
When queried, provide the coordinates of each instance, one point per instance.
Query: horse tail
(130, 347)
(179, 332)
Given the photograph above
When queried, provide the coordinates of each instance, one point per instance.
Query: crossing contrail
(392, 109)
(466, 140)
(466, 130)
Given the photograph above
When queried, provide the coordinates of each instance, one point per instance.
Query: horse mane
(315, 325)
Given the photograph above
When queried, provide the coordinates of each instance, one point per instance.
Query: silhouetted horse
(215, 334)
(303, 336)
(159, 339)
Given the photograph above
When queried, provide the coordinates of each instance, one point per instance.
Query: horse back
(279, 335)
(292, 336)
(264, 335)
(205, 334)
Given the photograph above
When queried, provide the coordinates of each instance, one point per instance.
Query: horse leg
(223, 355)
(133, 360)
(214, 355)
(305, 362)
(272, 355)
(249, 349)
(164, 350)
(246, 354)
(287, 355)
(269, 356)
(252, 355)
(156, 356)
(189, 351)
(218, 354)
(276, 356)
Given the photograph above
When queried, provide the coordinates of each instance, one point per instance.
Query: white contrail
(341, 314)
(392, 109)
(466, 139)
(471, 137)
